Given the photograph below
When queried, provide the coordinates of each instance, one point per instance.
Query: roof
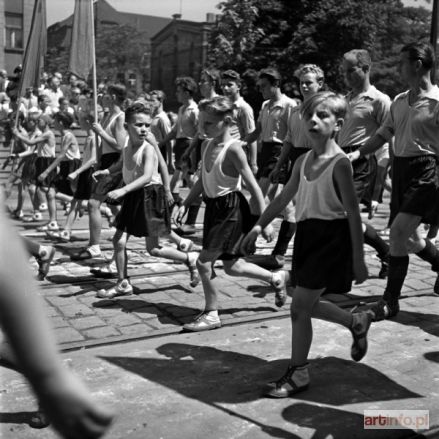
(148, 24)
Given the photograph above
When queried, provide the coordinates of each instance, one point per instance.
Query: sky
(195, 10)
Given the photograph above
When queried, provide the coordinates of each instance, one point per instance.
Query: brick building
(15, 23)
(179, 49)
(59, 35)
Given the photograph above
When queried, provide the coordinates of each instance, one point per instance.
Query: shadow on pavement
(333, 423)
(214, 376)
(427, 322)
(432, 356)
(16, 418)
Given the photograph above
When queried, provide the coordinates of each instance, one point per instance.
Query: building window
(14, 31)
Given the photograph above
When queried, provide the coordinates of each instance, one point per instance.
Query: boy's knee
(203, 267)
(232, 268)
(93, 204)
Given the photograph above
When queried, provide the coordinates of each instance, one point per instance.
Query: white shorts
(382, 155)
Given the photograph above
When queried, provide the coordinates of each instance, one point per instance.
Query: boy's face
(205, 85)
(230, 88)
(213, 125)
(407, 68)
(181, 94)
(321, 122)
(354, 75)
(138, 127)
(309, 84)
(267, 89)
(155, 101)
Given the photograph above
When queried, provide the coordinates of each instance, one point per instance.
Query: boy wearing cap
(243, 117)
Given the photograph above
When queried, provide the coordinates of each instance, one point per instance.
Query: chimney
(210, 17)
(176, 16)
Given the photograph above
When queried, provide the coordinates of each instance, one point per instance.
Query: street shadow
(235, 377)
(16, 418)
(432, 356)
(215, 377)
(429, 323)
(333, 423)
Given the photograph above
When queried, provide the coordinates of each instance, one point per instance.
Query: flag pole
(95, 85)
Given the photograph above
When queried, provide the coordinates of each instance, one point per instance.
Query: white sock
(213, 313)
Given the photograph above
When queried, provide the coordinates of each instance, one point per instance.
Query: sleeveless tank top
(106, 147)
(72, 152)
(318, 198)
(133, 164)
(215, 182)
(47, 148)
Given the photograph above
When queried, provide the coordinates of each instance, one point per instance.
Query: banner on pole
(81, 50)
(36, 47)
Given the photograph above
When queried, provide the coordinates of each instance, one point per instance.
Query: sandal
(44, 264)
(62, 235)
(84, 254)
(53, 226)
(39, 420)
(107, 271)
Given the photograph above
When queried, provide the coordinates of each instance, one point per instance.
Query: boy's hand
(73, 176)
(254, 168)
(97, 175)
(97, 128)
(248, 244)
(268, 233)
(116, 194)
(169, 197)
(360, 272)
(71, 408)
(180, 215)
(42, 176)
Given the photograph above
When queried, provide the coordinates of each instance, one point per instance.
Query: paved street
(164, 383)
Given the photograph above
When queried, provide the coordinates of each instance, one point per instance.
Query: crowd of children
(312, 162)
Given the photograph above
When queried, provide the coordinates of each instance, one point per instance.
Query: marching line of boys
(303, 167)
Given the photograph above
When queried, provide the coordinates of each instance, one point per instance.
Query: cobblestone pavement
(163, 300)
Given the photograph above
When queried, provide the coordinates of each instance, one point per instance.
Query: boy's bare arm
(343, 180)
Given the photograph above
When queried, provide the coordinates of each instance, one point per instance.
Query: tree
(119, 49)
(287, 33)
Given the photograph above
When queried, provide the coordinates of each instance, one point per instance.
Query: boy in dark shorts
(327, 212)
(413, 120)
(227, 218)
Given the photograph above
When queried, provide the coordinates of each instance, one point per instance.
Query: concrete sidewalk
(208, 385)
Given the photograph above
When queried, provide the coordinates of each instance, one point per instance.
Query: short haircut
(421, 51)
(63, 99)
(187, 83)
(362, 57)
(271, 74)
(213, 75)
(219, 106)
(231, 75)
(159, 94)
(118, 90)
(310, 68)
(137, 108)
(65, 118)
(334, 102)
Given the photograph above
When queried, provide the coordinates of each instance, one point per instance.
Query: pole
(434, 33)
(94, 77)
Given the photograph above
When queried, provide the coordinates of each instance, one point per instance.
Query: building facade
(59, 35)
(179, 49)
(15, 21)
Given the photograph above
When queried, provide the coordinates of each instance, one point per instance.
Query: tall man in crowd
(367, 110)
